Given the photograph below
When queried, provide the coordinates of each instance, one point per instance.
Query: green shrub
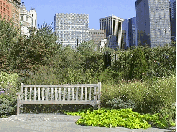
(7, 105)
(118, 103)
(9, 82)
(118, 118)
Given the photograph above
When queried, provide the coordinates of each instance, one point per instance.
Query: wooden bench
(59, 94)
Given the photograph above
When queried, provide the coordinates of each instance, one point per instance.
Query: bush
(149, 96)
(9, 82)
(118, 103)
(7, 105)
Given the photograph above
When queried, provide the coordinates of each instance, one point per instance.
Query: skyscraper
(153, 22)
(113, 28)
(129, 32)
(173, 19)
(71, 29)
(132, 32)
(125, 41)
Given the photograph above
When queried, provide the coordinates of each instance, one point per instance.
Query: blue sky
(46, 9)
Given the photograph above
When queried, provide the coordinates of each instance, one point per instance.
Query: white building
(103, 44)
(113, 28)
(27, 19)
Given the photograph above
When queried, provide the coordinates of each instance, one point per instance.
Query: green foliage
(8, 39)
(7, 105)
(118, 103)
(148, 96)
(137, 63)
(118, 118)
(9, 82)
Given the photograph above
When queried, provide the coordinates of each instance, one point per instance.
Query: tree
(8, 39)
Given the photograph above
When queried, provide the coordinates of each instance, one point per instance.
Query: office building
(129, 33)
(173, 19)
(97, 36)
(28, 19)
(153, 22)
(113, 29)
(10, 9)
(71, 29)
(125, 42)
(132, 36)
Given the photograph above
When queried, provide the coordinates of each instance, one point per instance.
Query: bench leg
(99, 106)
(18, 108)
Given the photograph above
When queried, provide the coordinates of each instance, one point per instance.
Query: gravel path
(57, 123)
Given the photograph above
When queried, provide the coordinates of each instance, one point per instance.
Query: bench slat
(69, 94)
(59, 94)
(22, 90)
(85, 93)
(51, 93)
(57, 102)
(34, 93)
(47, 92)
(56, 95)
(81, 93)
(94, 93)
(30, 93)
(77, 94)
(90, 93)
(25, 93)
(65, 85)
(64, 94)
(72, 93)
(38, 93)
(42, 93)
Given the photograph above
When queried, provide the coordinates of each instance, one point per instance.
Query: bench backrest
(60, 92)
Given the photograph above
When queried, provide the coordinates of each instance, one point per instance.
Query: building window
(21, 18)
(26, 18)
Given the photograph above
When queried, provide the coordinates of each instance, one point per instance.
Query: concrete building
(10, 9)
(153, 22)
(173, 19)
(97, 36)
(113, 29)
(71, 29)
(28, 19)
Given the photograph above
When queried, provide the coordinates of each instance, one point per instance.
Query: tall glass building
(129, 32)
(71, 29)
(153, 22)
(173, 19)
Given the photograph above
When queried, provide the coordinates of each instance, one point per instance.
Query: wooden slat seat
(59, 94)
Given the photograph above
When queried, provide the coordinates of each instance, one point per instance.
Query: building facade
(28, 19)
(113, 29)
(173, 19)
(97, 36)
(129, 33)
(153, 22)
(125, 42)
(10, 9)
(132, 32)
(71, 29)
